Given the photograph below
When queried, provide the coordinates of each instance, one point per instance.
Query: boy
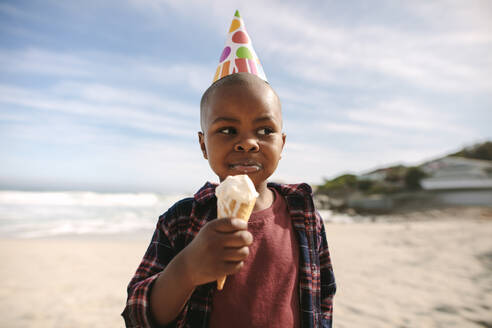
(279, 267)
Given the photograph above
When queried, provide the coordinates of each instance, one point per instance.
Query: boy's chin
(256, 178)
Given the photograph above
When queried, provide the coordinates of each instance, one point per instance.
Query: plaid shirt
(180, 224)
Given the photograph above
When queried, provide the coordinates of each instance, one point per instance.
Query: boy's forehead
(235, 97)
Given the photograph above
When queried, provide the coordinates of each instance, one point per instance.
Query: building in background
(453, 173)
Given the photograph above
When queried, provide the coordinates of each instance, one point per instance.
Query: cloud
(105, 95)
(104, 66)
(472, 16)
(355, 129)
(369, 57)
(146, 115)
(19, 13)
(398, 114)
(194, 75)
(37, 61)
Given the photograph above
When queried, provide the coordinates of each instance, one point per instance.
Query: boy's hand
(219, 249)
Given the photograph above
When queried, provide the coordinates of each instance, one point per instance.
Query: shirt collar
(206, 192)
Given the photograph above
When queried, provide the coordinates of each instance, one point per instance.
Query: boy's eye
(227, 130)
(265, 131)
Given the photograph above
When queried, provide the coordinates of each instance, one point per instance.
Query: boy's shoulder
(181, 208)
(185, 206)
(301, 189)
(204, 194)
(182, 204)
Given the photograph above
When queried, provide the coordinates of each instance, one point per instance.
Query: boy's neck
(265, 199)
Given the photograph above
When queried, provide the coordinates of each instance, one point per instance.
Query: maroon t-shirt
(265, 293)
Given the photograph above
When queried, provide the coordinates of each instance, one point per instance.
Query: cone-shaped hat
(238, 54)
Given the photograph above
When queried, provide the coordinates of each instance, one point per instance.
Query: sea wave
(48, 214)
(79, 198)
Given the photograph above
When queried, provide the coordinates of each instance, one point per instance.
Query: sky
(104, 95)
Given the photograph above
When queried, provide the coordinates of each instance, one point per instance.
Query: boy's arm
(171, 290)
(137, 312)
(163, 283)
(328, 286)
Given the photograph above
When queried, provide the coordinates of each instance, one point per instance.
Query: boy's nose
(247, 145)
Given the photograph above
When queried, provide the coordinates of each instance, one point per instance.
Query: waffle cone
(233, 210)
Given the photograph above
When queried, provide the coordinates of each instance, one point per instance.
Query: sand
(435, 273)
(66, 283)
(418, 274)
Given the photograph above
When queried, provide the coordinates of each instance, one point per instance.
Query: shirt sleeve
(159, 253)
(328, 285)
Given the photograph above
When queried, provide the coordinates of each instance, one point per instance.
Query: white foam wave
(47, 214)
(78, 198)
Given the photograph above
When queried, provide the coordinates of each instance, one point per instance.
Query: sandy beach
(432, 271)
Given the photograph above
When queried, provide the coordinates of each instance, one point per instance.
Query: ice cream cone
(236, 197)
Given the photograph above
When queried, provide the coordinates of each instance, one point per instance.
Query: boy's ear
(284, 136)
(201, 140)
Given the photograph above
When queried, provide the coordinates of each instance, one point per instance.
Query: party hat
(238, 54)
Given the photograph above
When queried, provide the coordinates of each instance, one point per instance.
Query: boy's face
(242, 131)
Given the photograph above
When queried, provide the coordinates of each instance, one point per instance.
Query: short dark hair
(232, 79)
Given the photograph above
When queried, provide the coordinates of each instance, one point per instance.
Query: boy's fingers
(229, 225)
(239, 239)
(236, 254)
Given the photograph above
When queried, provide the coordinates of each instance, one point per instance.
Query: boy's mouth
(245, 167)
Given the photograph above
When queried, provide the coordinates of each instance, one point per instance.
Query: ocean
(28, 214)
(44, 214)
